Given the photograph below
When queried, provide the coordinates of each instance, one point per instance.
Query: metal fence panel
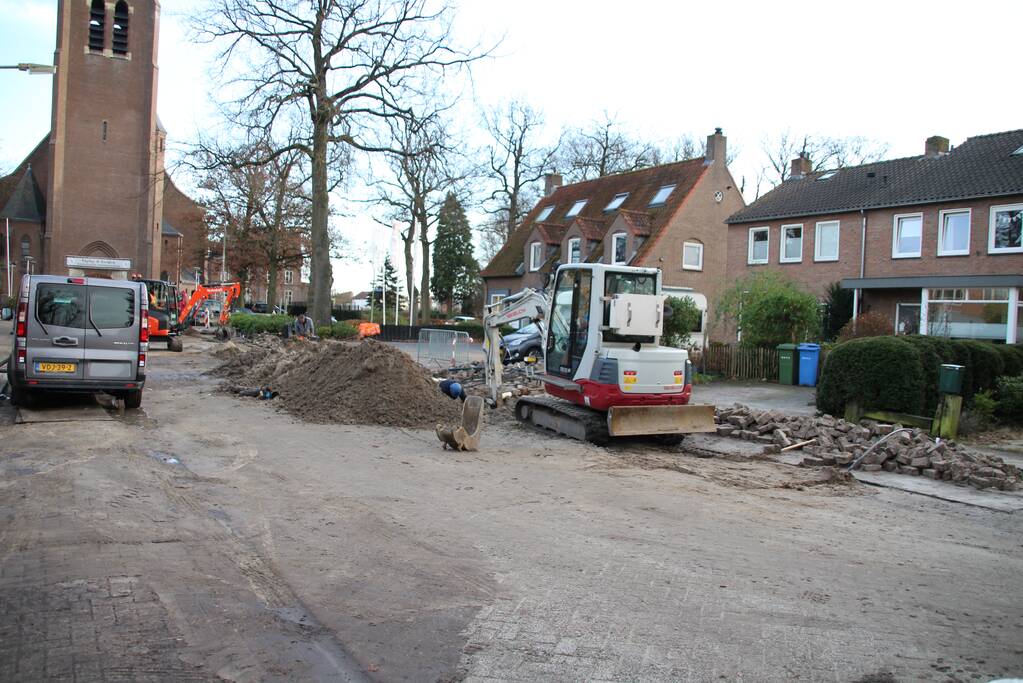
(443, 348)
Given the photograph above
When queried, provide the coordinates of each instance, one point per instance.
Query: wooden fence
(732, 361)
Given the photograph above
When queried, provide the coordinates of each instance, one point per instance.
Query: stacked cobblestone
(827, 440)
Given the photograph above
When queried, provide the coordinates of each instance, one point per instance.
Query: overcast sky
(896, 72)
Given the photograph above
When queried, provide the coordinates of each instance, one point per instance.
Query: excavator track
(563, 417)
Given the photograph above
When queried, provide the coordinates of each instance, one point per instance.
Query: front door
(907, 319)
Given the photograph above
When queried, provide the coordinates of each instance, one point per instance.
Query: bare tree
(688, 147)
(516, 161)
(823, 153)
(604, 148)
(319, 75)
(265, 210)
(424, 168)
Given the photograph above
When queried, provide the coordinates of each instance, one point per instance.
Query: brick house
(669, 217)
(93, 197)
(933, 242)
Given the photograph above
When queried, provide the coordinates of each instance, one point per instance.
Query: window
(907, 318)
(1019, 151)
(60, 305)
(791, 244)
(759, 242)
(289, 277)
(907, 232)
(662, 195)
(574, 250)
(626, 283)
(619, 241)
(111, 307)
(1005, 229)
(692, 256)
(289, 296)
(26, 247)
(954, 233)
(545, 213)
(97, 19)
(616, 202)
(569, 326)
(120, 42)
(825, 243)
(576, 208)
(496, 298)
(535, 256)
(827, 175)
(968, 313)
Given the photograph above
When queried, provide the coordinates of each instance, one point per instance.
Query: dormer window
(576, 208)
(120, 42)
(97, 19)
(545, 214)
(618, 200)
(662, 195)
(575, 250)
(1019, 152)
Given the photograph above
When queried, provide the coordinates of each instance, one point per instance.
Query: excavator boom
(230, 290)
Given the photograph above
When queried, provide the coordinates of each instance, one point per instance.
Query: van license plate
(56, 367)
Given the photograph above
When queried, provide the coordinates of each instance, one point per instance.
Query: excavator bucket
(649, 420)
(465, 437)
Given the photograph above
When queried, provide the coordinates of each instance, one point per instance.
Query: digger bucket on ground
(644, 420)
(465, 437)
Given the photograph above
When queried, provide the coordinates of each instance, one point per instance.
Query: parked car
(459, 319)
(526, 341)
(76, 334)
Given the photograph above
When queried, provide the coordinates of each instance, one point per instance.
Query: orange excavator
(169, 316)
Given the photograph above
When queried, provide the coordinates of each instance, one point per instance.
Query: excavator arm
(230, 290)
(528, 303)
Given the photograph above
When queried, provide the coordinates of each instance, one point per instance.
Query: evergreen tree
(385, 285)
(456, 273)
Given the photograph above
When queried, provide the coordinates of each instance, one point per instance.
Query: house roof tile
(641, 185)
(983, 166)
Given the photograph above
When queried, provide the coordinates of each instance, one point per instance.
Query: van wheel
(23, 398)
(175, 344)
(132, 400)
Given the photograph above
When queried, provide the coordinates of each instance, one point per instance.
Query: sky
(895, 72)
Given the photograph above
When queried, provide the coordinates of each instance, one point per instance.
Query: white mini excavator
(604, 370)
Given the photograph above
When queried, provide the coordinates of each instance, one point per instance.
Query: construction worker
(301, 326)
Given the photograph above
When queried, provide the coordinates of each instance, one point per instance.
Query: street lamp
(34, 69)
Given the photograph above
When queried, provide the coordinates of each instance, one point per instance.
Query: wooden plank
(900, 418)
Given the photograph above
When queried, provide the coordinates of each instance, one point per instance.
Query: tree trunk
(321, 277)
(409, 240)
(424, 285)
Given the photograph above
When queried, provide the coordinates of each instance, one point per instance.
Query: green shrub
(962, 356)
(984, 405)
(872, 324)
(338, 330)
(932, 354)
(880, 373)
(770, 309)
(685, 317)
(1012, 358)
(1009, 392)
(250, 324)
(986, 363)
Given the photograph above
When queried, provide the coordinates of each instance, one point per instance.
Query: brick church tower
(105, 184)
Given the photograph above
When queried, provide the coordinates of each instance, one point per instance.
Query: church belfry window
(97, 19)
(120, 43)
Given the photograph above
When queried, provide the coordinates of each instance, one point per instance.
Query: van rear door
(112, 331)
(55, 348)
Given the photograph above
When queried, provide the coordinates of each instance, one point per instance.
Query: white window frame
(614, 248)
(535, 256)
(941, 232)
(664, 200)
(781, 246)
(616, 202)
(579, 242)
(817, 241)
(545, 213)
(289, 277)
(576, 208)
(496, 298)
(699, 265)
(895, 235)
(289, 297)
(749, 249)
(991, 230)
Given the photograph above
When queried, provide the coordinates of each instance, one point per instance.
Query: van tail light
(142, 360)
(21, 356)
(144, 327)
(22, 326)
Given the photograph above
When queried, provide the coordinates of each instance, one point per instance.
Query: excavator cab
(164, 304)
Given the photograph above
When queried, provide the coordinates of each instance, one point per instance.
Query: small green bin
(950, 379)
(788, 363)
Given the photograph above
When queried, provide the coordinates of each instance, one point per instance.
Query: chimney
(800, 166)
(717, 145)
(551, 182)
(935, 146)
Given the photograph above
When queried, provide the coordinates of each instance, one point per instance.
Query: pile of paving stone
(826, 440)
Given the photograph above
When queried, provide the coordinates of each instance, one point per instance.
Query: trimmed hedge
(1012, 358)
(986, 365)
(338, 330)
(881, 373)
(933, 352)
(250, 324)
(1009, 392)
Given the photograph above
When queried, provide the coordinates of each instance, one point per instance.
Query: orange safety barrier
(368, 330)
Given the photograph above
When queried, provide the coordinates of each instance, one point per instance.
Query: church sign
(97, 262)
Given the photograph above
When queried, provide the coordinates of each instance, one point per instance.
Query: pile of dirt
(353, 383)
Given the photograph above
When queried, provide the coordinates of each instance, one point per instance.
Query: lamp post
(31, 68)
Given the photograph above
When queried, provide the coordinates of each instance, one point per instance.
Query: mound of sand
(364, 382)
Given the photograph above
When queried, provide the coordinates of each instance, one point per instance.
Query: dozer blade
(642, 420)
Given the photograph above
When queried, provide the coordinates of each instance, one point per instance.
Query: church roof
(168, 230)
(25, 201)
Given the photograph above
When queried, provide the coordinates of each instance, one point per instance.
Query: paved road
(214, 537)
